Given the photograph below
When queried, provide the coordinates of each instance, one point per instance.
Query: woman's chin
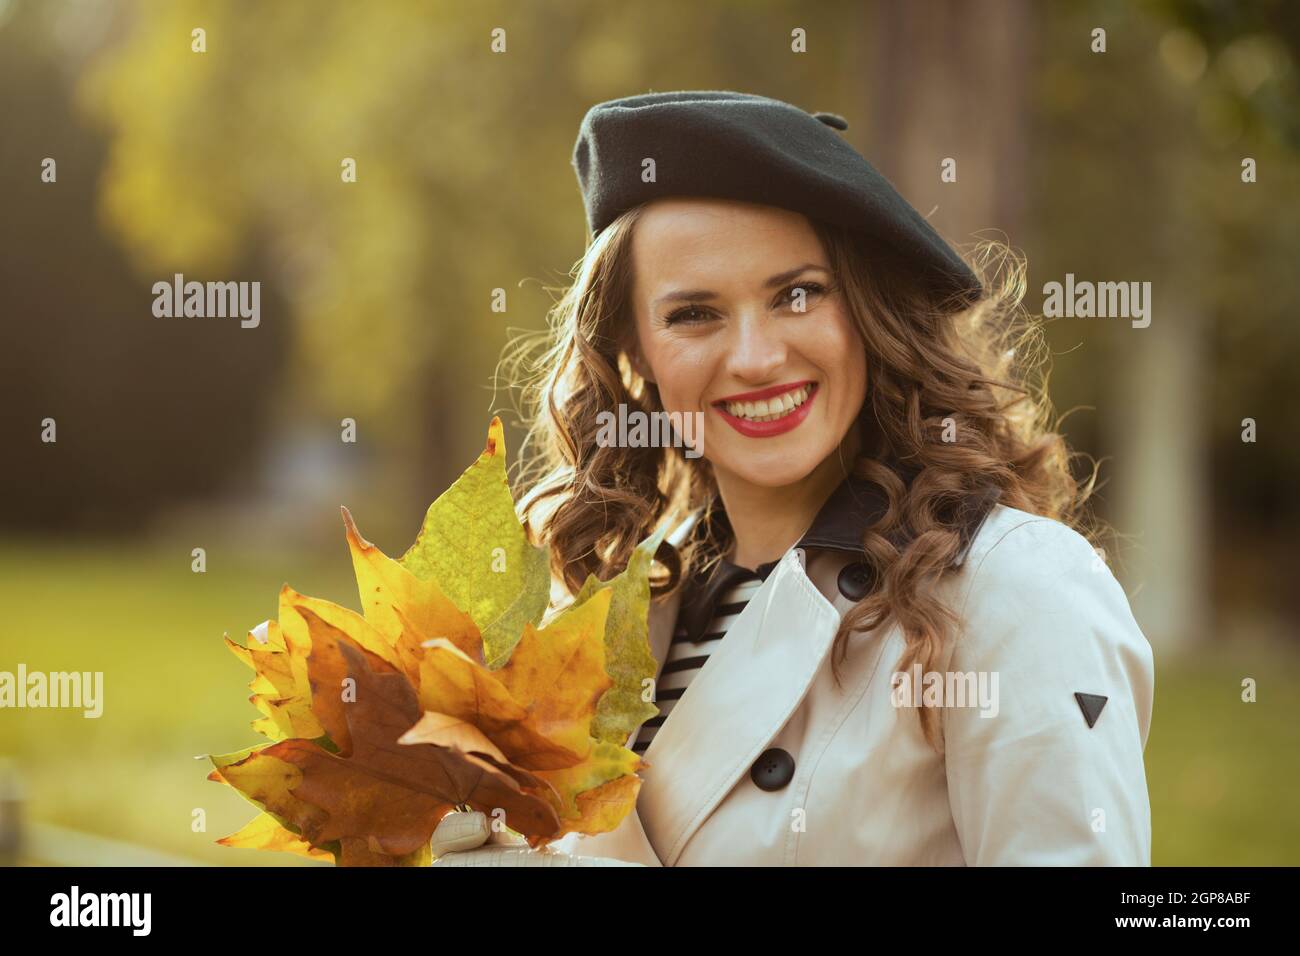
(768, 470)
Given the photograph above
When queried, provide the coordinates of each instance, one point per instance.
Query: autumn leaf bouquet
(448, 692)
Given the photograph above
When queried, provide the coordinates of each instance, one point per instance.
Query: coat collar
(840, 525)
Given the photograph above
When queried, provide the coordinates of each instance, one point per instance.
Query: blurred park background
(175, 434)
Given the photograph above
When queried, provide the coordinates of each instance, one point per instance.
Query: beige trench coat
(1032, 781)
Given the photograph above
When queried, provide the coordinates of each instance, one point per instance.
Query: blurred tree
(1138, 177)
(950, 81)
(147, 411)
(462, 167)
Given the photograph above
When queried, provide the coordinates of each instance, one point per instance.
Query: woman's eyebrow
(701, 295)
(790, 274)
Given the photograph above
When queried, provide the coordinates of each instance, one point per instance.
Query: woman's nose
(758, 349)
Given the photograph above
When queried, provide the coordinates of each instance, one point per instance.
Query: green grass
(1222, 773)
(171, 688)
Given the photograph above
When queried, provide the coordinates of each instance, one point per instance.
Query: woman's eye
(687, 313)
(797, 295)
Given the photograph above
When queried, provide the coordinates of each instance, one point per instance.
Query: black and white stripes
(686, 657)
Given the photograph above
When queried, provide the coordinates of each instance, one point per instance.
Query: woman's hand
(467, 839)
(463, 831)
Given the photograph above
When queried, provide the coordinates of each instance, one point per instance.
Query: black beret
(730, 145)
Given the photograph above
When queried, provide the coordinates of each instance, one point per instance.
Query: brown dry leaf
(397, 792)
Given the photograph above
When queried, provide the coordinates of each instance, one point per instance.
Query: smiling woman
(764, 317)
(878, 483)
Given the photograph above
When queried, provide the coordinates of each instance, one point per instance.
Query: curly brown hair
(934, 365)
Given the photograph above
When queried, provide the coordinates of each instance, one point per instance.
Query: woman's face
(737, 317)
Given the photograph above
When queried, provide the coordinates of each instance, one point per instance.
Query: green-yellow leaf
(628, 660)
(474, 546)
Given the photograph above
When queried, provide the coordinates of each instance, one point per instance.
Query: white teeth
(766, 410)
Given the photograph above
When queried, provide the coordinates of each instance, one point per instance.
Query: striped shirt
(686, 657)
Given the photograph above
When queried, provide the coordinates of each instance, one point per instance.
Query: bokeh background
(175, 434)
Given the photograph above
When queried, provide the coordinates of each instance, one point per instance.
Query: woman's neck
(767, 521)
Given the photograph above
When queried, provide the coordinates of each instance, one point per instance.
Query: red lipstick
(777, 426)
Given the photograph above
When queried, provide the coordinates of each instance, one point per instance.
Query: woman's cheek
(684, 383)
(847, 354)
